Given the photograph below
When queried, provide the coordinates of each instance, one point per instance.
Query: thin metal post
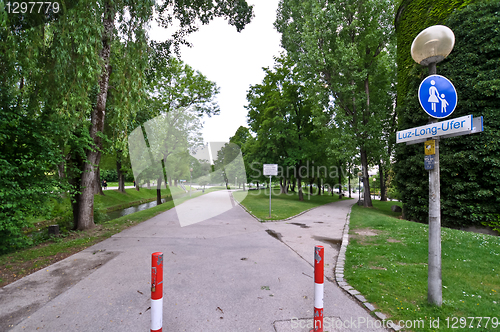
(190, 180)
(432, 68)
(434, 278)
(270, 176)
(434, 294)
(359, 189)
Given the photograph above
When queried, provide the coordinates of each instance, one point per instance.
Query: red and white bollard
(319, 276)
(156, 292)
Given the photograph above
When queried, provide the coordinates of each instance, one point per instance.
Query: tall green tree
(131, 24)
(80, 47)
(240, 138)
(182, 95)
(340, 45)
(281, 115)
(44, 96)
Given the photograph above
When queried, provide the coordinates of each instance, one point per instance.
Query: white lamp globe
(433, 44)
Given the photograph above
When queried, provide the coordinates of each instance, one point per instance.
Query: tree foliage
(65, 77)
(281, 115)
(342, 48)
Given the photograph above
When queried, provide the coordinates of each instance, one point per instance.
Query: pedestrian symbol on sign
(433, 95)
(437, 96)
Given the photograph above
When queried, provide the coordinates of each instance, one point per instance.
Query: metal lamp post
(359, 186)
(431, 46)
(191, 180)
(374, 192)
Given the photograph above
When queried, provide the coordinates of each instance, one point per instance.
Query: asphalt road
(227, 273)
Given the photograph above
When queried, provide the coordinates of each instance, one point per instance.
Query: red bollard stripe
(156, 292)
(318, 320)
(319, 277)
(319, 264)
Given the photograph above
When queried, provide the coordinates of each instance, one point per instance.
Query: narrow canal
(123, 212)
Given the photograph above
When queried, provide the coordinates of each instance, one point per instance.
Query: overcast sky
(234, 61)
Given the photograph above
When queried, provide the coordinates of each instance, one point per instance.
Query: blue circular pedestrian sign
(437, 96)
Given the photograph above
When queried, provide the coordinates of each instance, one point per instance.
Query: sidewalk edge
(278, 220)
(342, 283)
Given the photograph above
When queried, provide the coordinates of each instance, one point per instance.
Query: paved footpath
(229, 273)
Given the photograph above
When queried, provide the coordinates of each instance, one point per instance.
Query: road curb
(263, 220)
(339, 266)
(342, 283)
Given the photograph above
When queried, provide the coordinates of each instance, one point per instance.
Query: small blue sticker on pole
(429, 162)
(437, 96)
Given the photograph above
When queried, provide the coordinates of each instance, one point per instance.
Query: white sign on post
(271, 169)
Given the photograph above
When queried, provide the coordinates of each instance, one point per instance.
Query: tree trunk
(60, 169)
(383, 196)
(299, 187)
(137, 183)
(340, 179)
(158, 191)
(74, 180)
(311, 182)
(349, 179)
(367, 200)
(243, 186)
(319, 187)
(86, 199)
(282, 186)
(97, 183)
(121, 177)
(148, 184)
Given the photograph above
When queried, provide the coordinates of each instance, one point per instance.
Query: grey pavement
(226, 273)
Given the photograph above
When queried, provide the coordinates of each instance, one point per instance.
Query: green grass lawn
(282, 205)
(390, 270)
(115, 184)
(114, 199)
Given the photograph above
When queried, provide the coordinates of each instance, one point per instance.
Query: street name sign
(437, 96)
(271, 169)
(477, 127)
(460, 126)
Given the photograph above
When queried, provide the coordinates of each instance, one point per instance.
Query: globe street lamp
(431, 46)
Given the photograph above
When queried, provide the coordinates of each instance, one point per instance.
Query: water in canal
(123, 212)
